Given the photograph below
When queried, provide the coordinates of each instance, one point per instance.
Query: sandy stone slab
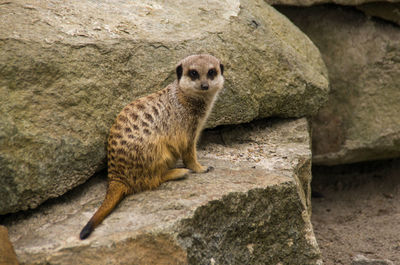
(252, 209)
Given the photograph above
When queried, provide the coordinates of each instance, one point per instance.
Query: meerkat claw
(209, 169)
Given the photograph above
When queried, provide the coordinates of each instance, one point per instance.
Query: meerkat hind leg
(176, 174)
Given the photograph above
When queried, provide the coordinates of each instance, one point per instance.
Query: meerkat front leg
(190, 160)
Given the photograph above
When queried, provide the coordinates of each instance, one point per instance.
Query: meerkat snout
(204, 86)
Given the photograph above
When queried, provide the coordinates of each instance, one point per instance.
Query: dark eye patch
(211, 73)
(193, 74)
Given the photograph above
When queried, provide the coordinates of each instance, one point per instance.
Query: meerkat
(150, 134)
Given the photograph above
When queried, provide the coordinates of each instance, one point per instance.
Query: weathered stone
(7, 254)
(361, 120)
(362, 260)
(67, 68)
(318, 2)
(386, 11)
(251, 209)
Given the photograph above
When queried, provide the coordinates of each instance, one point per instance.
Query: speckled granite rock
(68, 67)
(252, 209)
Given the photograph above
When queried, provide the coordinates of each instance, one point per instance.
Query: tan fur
(152, 133)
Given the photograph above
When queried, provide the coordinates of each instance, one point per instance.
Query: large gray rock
(68, 67)
(361, 120)
(253, 208)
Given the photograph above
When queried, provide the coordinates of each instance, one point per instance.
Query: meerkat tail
(116, 191)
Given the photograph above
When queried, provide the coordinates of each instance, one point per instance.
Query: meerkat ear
(179, 71)
(221, 66)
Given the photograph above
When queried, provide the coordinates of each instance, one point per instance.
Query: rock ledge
(252, 209)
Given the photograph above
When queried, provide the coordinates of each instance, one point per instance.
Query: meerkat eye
(193, 74)
(212, 73)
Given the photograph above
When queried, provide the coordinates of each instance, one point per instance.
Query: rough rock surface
(318, 2)
(251, 209)
(67, 68)
(361, 120)
(7, 253)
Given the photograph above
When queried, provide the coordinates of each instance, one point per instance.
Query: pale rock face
(253, 208)
(361, 120)
(68, 67)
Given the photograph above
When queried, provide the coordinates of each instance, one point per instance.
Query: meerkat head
(199, 74)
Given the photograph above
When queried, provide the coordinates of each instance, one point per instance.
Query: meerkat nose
(204, 86)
